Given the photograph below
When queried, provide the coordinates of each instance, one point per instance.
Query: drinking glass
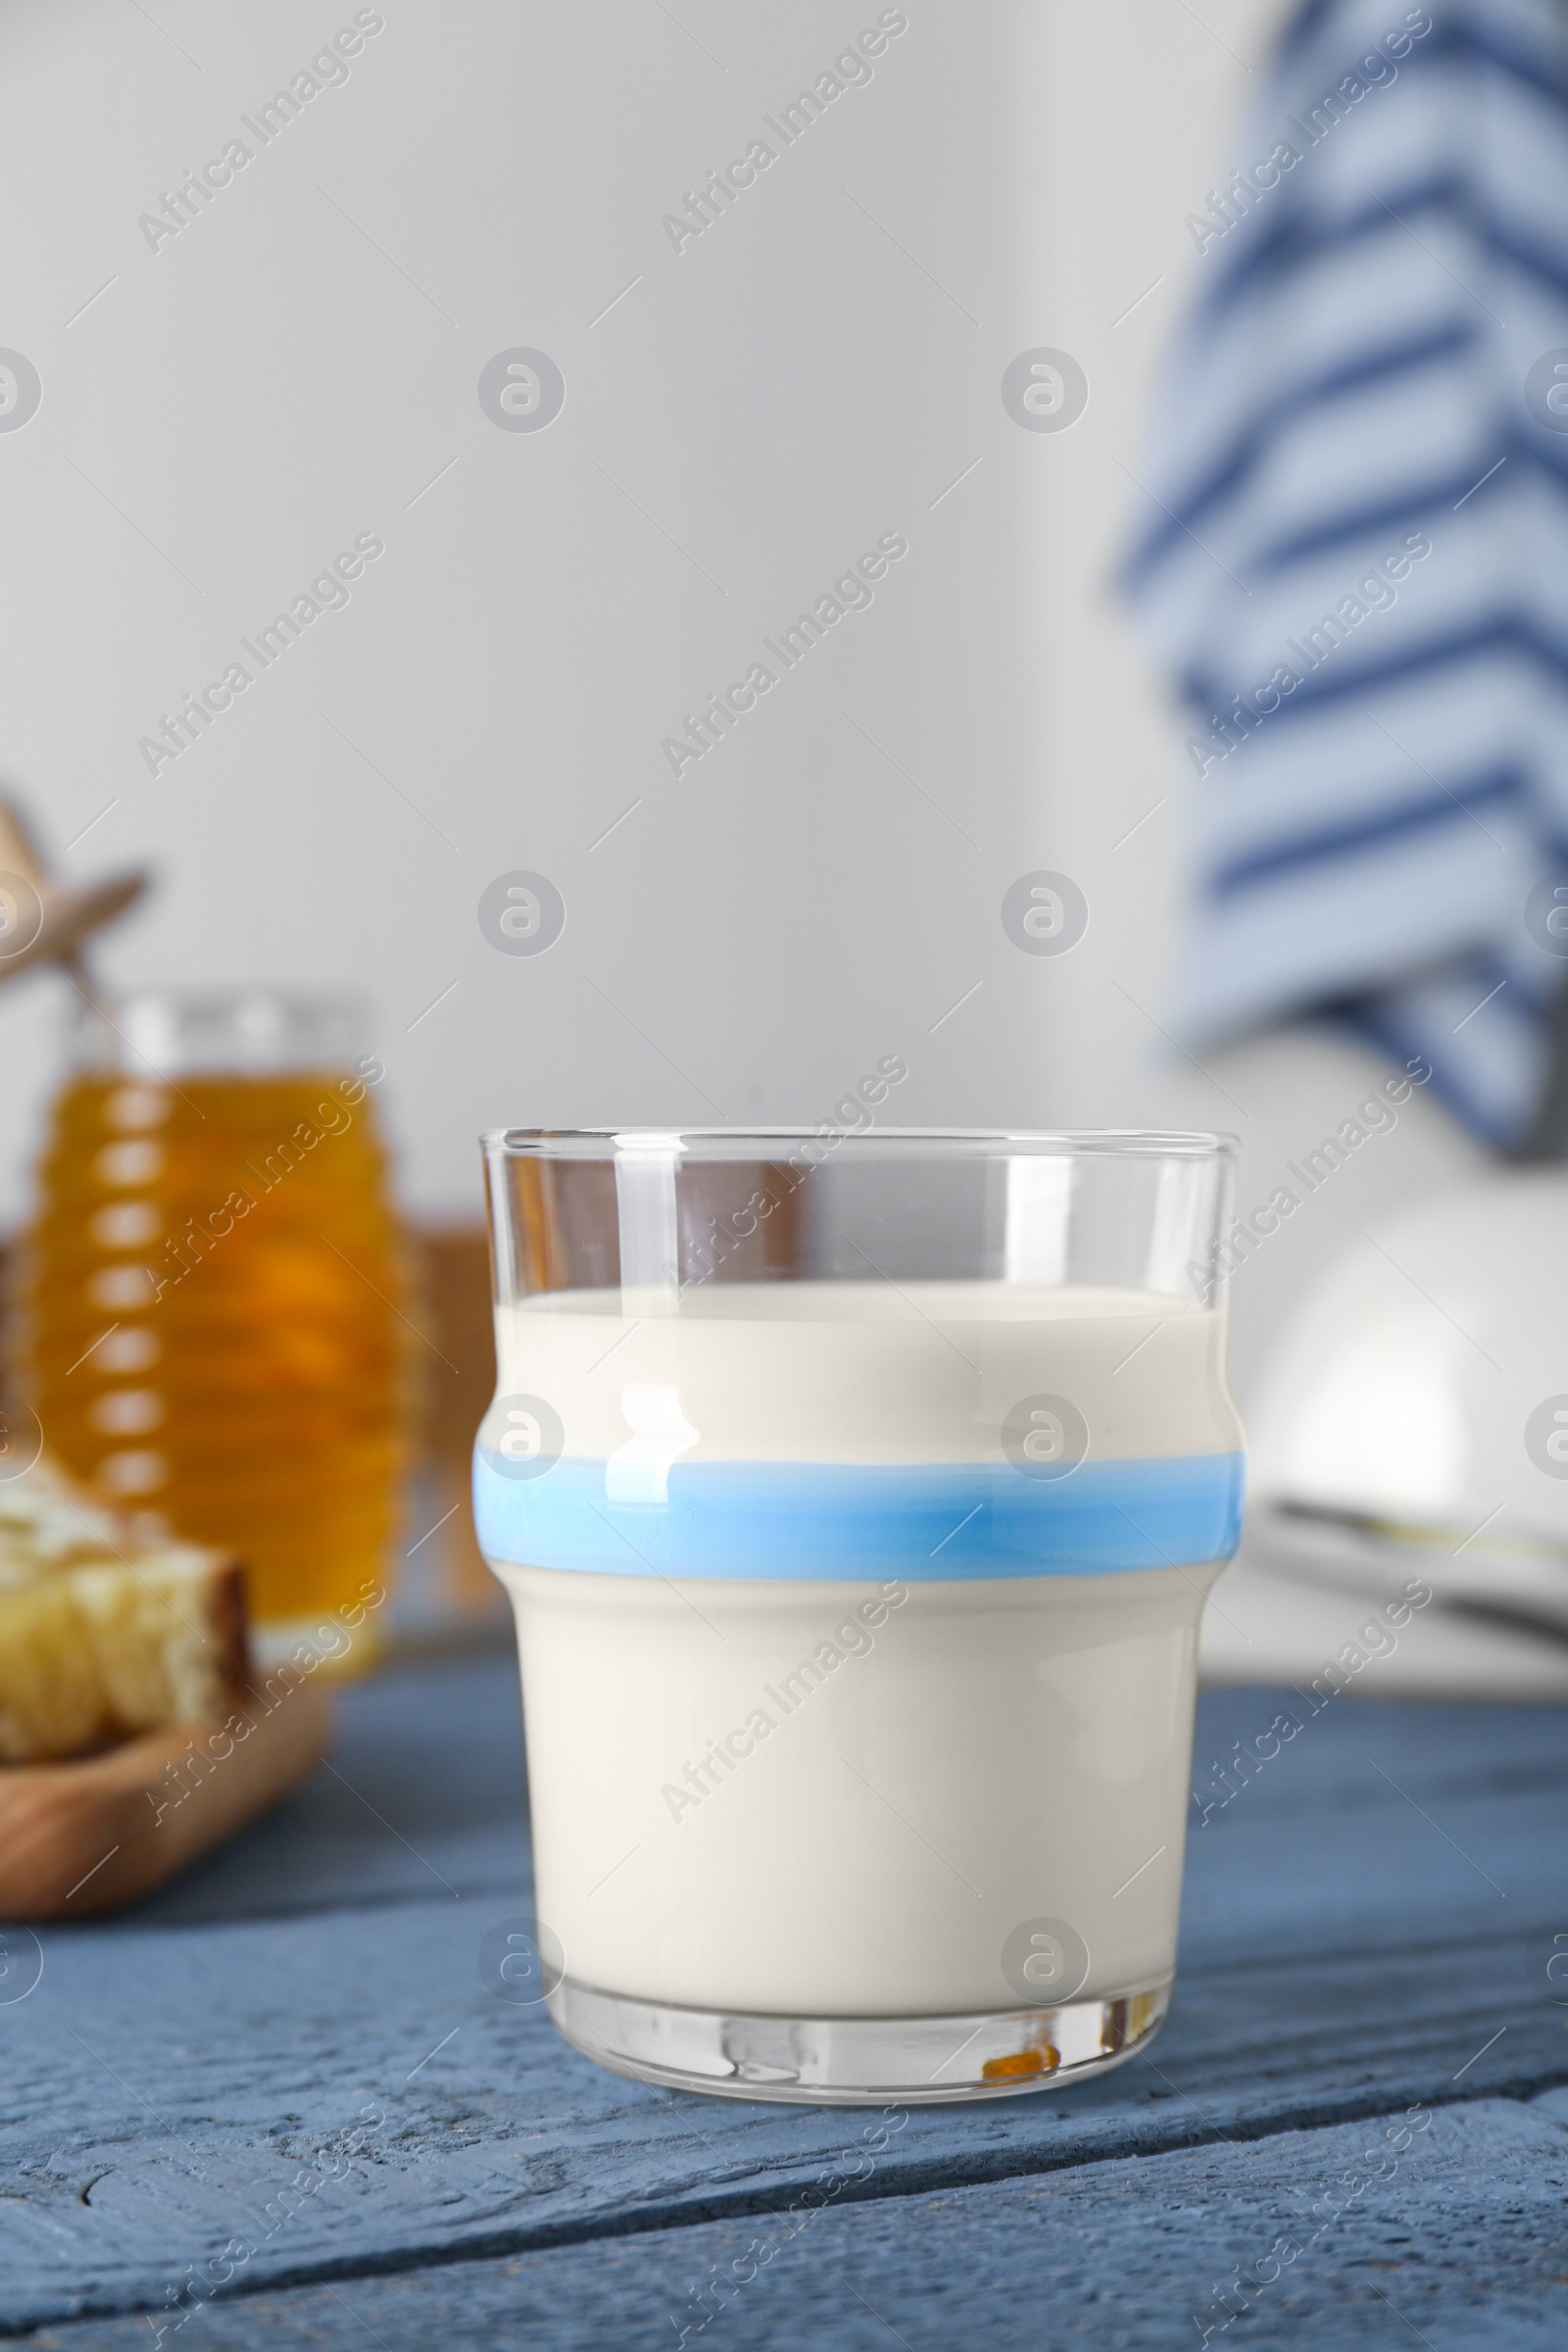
(858, 1494)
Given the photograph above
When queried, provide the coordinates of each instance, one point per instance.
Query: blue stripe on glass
(799, 1522)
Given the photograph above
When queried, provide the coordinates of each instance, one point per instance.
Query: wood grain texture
(1460, 2246)
(94, 1832)
(291, 2052)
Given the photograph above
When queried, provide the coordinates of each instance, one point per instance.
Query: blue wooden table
(276, 2105)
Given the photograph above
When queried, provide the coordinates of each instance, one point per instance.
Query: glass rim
(611, 1143)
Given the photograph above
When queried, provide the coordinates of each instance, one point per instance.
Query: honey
(210, 1330)
(1019, 2063)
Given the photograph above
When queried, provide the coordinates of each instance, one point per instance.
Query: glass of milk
(857, 1493)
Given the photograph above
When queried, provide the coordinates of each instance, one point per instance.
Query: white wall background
(299, 365)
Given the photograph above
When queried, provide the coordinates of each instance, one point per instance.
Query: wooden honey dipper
(45, 922)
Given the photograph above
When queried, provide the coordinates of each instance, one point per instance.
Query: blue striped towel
(1353, 549)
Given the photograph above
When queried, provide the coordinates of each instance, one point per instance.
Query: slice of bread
(103, 1635)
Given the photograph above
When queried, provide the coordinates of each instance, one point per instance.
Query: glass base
(856, 2061)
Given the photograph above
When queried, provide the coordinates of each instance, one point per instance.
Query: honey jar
(210, 1328)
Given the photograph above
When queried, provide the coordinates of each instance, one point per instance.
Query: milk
(757, 1786)
(872, 1372)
